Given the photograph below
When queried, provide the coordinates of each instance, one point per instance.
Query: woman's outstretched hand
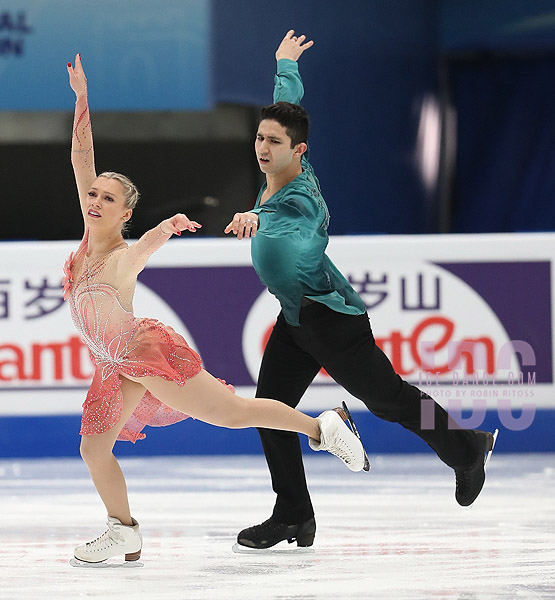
(77, 79)
(178, 223)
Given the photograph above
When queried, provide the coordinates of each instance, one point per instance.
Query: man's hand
(292, 47)
(243, 225)
(77, 79)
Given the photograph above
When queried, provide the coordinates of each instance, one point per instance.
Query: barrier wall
(465, 318)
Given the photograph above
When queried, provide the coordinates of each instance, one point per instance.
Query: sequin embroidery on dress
(119, 343)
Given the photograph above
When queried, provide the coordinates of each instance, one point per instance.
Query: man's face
(273, 147)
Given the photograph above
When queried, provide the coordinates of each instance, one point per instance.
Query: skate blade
(489, 453)
(366, 466)
(238, 549)
(75, 562)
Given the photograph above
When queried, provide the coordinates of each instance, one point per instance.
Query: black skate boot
(271, 532)
(470, 480)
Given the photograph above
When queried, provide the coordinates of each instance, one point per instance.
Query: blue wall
(501, 71)
(498, 25)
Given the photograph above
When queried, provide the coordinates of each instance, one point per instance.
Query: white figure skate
(338, 439)
(116, 541)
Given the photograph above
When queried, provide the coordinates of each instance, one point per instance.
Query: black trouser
(344, 345)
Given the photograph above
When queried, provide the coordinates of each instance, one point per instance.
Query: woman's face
(106, 204)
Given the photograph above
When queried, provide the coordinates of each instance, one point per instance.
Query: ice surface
(396, 533)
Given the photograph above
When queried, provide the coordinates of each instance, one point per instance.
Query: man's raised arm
(288, 86)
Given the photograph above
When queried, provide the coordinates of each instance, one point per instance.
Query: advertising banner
(467, 319)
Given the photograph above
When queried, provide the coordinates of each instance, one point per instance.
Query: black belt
(306, 301)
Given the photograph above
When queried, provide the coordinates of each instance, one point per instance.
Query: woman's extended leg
(104, 469)
(205, 398)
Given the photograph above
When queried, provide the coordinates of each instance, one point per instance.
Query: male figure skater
(323, 322)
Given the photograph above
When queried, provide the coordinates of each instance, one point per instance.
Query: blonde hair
(130, 192)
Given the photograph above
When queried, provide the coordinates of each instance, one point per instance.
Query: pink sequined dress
(118, 344)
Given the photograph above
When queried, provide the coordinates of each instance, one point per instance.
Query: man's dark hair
(291, 116)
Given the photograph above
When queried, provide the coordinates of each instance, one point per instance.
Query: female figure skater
(145, 372)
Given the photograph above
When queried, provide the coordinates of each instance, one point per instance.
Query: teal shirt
(288, 252)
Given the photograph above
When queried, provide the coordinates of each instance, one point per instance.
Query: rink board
(465, 318)
(57, 436)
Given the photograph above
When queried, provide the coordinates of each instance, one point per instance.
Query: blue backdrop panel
(505, 172)
(138, 55)
(497, 24)
(59, 436)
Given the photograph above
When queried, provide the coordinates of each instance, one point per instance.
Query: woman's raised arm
(82, 151)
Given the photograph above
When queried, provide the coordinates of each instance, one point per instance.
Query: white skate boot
(118, 539)
(337, 438)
